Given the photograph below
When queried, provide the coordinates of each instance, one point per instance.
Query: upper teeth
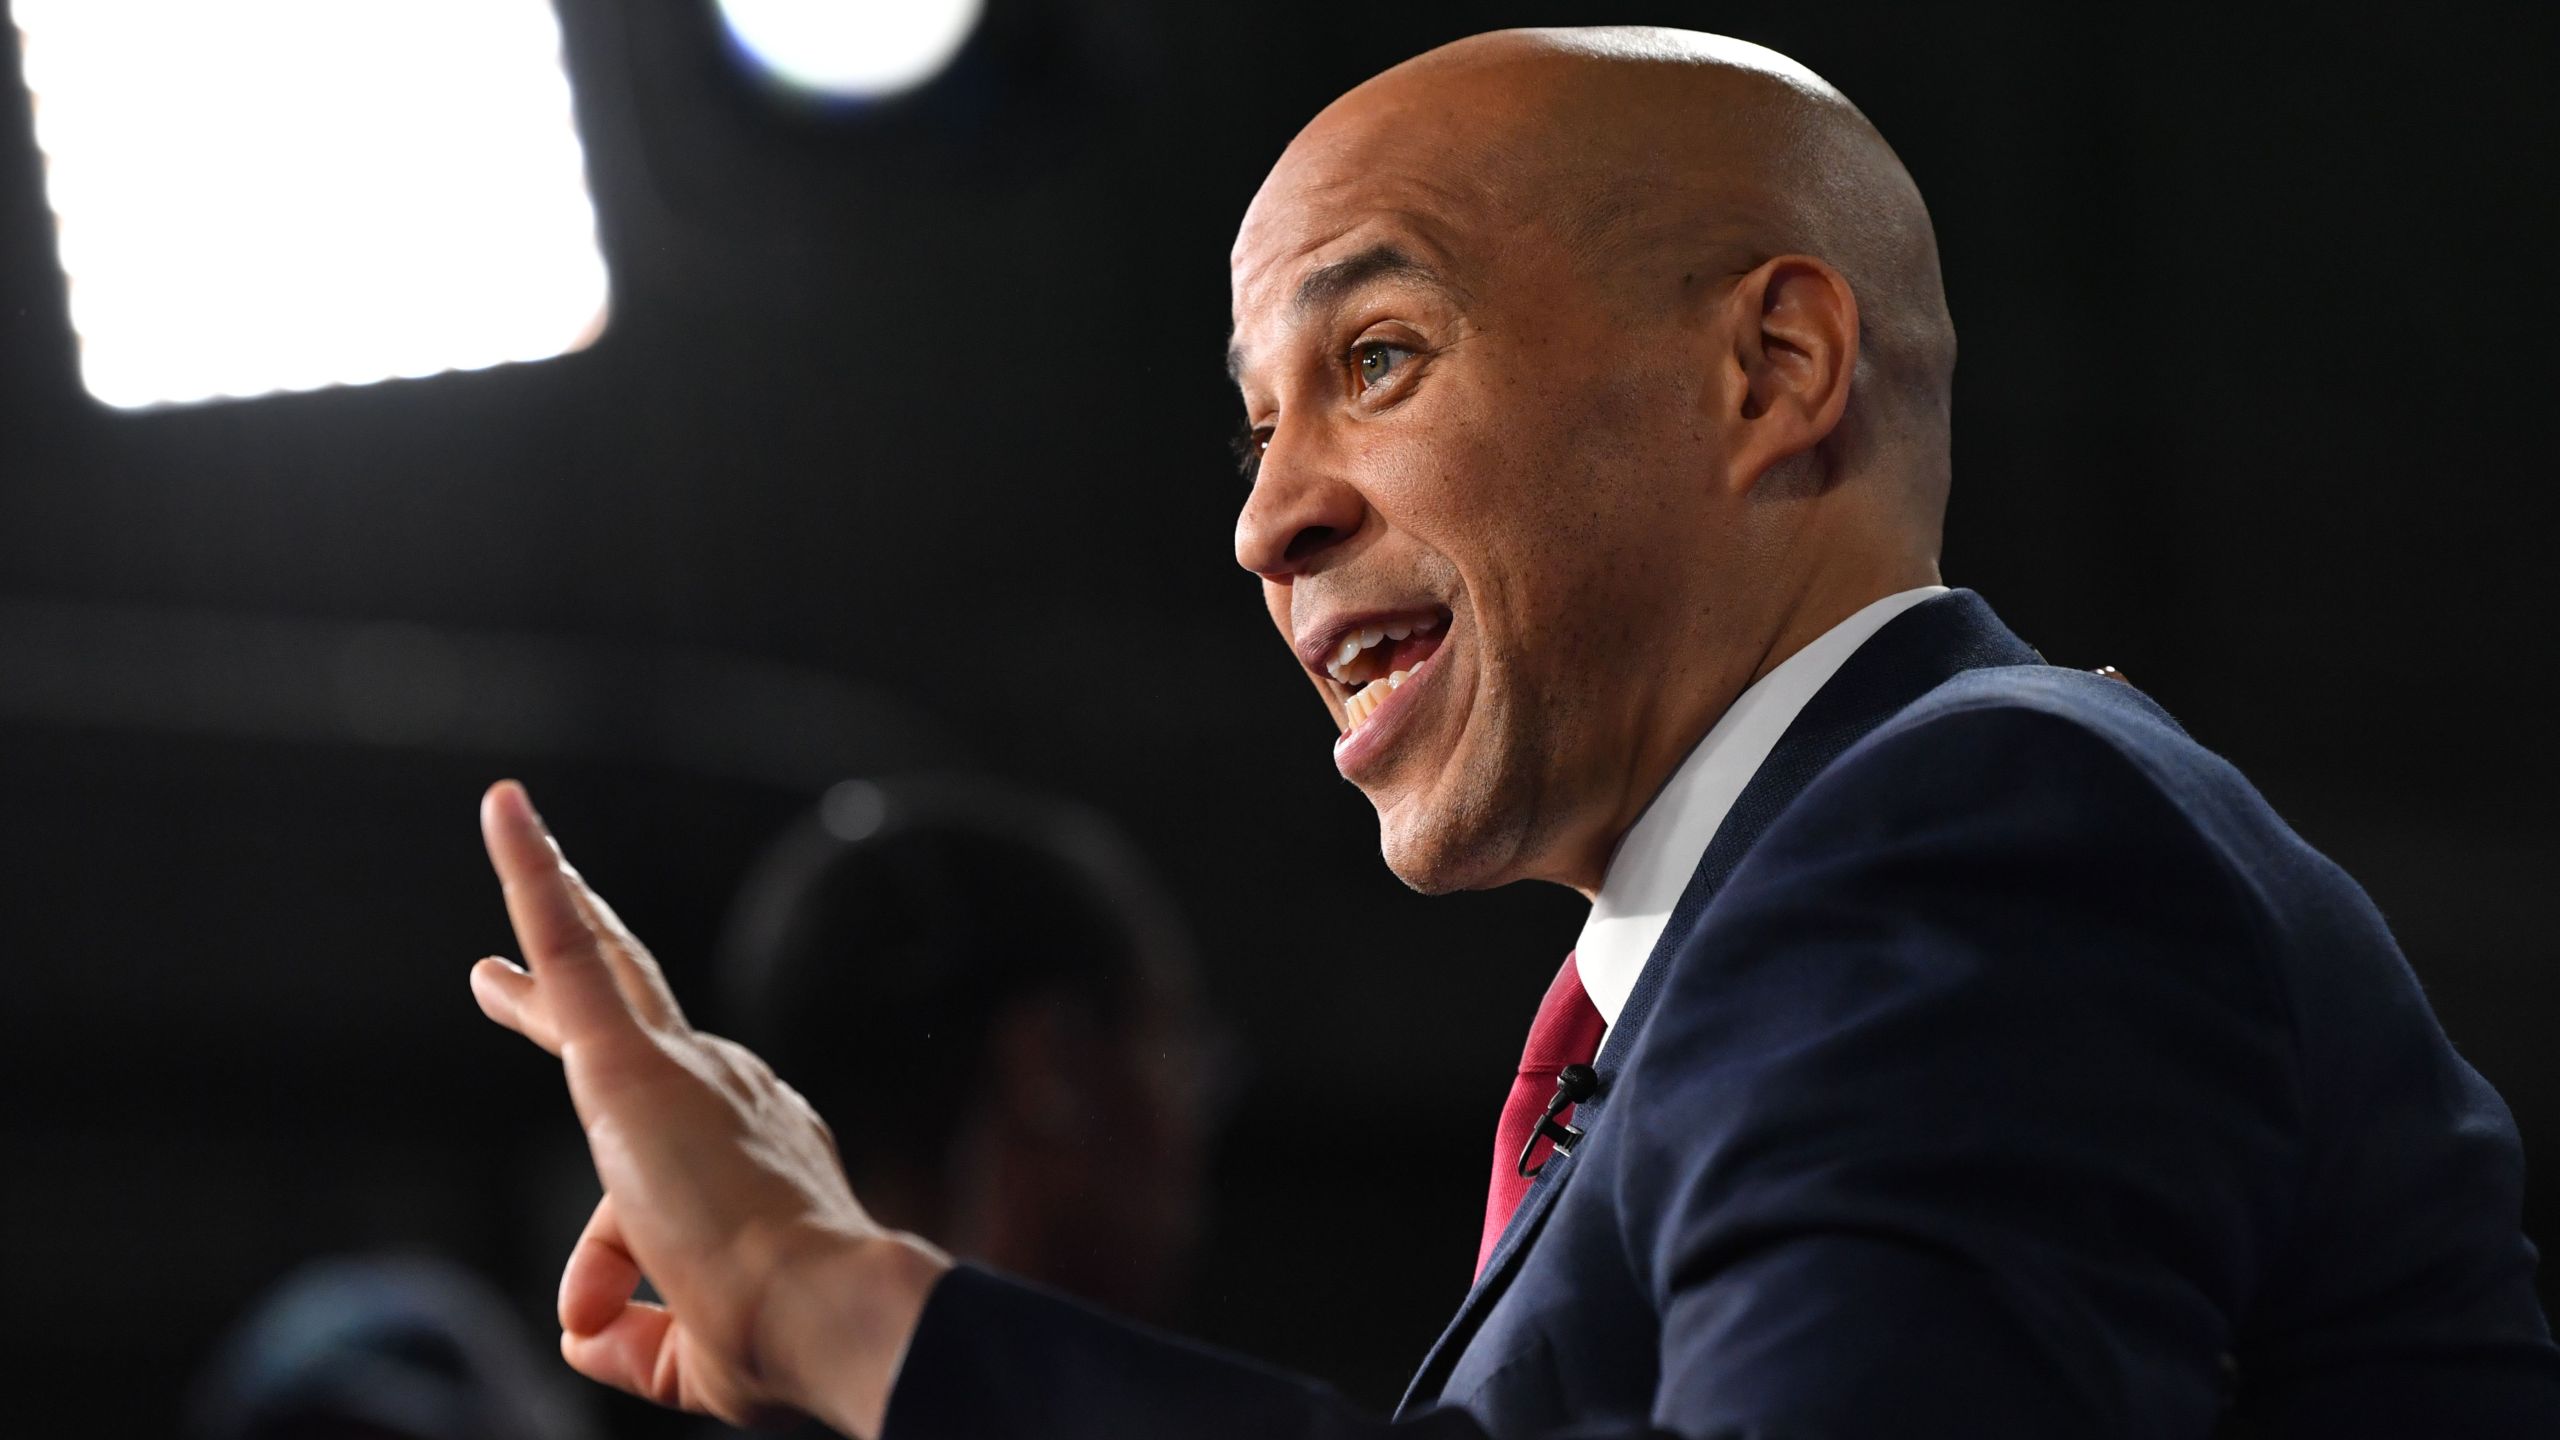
(1359, 640)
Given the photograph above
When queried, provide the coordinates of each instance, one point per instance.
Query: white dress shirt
(1655, 860)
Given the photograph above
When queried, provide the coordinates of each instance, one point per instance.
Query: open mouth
(1380, 657)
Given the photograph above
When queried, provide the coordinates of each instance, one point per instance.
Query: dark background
(906, 447)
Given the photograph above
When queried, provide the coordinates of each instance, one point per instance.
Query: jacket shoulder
(2043, 736)
(2058, 706)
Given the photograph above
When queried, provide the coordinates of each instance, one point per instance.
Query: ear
(1795, 349)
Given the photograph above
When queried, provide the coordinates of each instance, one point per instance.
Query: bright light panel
(852, 49)
(264, 195)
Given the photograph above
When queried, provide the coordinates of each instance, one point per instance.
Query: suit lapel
(1917, 651)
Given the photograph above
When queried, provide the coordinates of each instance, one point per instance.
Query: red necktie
(1566, 1032)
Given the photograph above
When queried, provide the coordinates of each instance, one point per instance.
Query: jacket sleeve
(996, 1359)
(1973, 1112)
(1964, 1111)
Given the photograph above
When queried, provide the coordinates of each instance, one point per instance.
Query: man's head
(989, 996)
(1607, 366)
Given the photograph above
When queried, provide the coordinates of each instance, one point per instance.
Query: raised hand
(721, 1185)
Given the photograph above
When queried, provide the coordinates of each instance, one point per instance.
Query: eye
(1249, 444)
(1375, 361)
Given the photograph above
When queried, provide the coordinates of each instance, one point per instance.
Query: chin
(1439, 845)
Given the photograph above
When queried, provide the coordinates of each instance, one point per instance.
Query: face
(1483, 505)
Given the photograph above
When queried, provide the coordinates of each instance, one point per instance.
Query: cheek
(1588, 524)
(1447, 479)
(1421, 464)
(1540, 486)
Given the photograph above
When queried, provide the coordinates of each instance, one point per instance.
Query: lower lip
(1354, 752)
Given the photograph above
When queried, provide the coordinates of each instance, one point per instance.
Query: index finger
(562, 949)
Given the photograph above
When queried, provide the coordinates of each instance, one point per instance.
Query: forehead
(1362, 160)
(1336, 218)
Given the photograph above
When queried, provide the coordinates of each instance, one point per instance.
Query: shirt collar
(1655, 860)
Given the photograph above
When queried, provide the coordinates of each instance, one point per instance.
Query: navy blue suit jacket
(2007, 1069)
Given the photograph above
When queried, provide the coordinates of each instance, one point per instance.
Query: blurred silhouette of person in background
(991, 998)
(383, 1348)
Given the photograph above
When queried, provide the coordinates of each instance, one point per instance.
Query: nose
(1298, 511)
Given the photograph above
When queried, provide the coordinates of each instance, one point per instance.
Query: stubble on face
(1583, 602)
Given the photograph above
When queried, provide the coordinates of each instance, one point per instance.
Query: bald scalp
(1666, 160)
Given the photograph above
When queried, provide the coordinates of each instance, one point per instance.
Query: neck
(1819, 603)
(1824, 603)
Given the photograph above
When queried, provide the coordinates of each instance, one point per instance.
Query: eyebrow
(1329, 284)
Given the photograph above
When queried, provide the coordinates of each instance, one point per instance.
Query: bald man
(1954, 1047)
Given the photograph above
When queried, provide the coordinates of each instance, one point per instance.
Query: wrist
(837, 1321)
